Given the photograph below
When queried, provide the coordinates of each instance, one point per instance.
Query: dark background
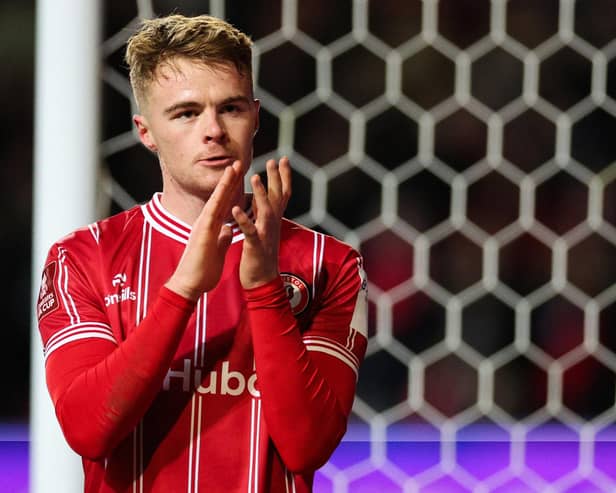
(355, 195)
(16, 153)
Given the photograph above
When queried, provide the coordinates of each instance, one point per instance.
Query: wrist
(260, 281)
(178, 288)
(176, 300)
(266, 292)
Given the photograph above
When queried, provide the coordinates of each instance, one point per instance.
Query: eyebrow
(182, 105)
(235, 99)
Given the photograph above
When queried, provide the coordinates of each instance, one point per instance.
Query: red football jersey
(206, 426)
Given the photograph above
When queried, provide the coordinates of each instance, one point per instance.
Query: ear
(257, 104)
(143, 130)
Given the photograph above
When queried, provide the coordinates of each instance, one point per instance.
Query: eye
(186, 114)
(230, 108)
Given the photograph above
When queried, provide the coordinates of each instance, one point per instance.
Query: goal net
(467, 148)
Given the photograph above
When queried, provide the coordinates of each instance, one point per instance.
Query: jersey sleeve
(68, 307)
(101, 387)
(307, 381)
(339, 327)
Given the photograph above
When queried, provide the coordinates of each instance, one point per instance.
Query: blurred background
(16, 153)
(467, 148)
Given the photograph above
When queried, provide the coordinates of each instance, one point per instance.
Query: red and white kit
(242, 391)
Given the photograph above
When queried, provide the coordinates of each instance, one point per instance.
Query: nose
(213, 129)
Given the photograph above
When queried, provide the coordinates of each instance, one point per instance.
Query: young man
(201, 342)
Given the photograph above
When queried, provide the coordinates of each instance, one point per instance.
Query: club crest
(297, 292)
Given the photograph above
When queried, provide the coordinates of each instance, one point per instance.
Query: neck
(188, 207)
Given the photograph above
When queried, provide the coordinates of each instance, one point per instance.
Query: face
(199, 119)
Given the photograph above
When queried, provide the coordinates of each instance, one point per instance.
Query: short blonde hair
(203, 38)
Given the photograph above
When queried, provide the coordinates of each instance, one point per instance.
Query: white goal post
(66, 162)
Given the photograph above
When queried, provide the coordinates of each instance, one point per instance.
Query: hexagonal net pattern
(467, 148)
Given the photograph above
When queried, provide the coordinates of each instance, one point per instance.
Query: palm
(259, 263)
(201, 265)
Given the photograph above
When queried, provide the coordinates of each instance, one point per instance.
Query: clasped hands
(202, 262)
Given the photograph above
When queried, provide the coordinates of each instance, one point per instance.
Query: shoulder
(302, 238)
(320, 272)
(99, 235)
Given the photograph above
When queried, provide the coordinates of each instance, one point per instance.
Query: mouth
(216, 161)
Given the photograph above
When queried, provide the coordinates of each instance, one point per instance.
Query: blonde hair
(204, 38)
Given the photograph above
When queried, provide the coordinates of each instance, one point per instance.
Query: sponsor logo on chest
(126, 293)
(224, 381)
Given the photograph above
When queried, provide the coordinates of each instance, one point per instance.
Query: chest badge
(297, 292)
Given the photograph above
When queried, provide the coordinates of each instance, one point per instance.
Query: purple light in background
(374, 482)
(483, 459)
(413, 458)
(483, 449)
(349, 453)
(14, 447)
(514, 486)
(322, 484)
(585, 486)
(551, 450)
(605, 451)
(14, 466)
(413, 447)
(552, 460)
(445, 484)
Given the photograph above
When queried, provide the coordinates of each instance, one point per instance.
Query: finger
(274, 184)
(284, 168)
(224, 237)
(259, 197)
(219, 203)
(254, 206)
(230, 181)
(211, 216)
(244, 222)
